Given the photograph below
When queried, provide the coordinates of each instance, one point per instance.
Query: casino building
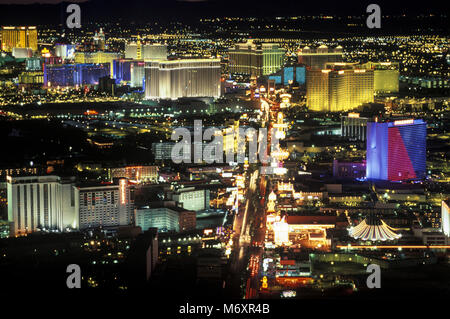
(319, 57)
(53, 203)
(104, 205)
(339, 87)
(74, 74)
(18, 37)
(256, 59)
(182, 78)
(374, 229)
(40, 202)
(396, 151)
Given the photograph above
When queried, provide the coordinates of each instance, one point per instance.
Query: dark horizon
(217, 8)
(399, 17)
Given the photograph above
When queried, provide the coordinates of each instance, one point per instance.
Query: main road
(249, 233)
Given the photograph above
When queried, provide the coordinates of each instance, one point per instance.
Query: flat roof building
(41, 203)
(162, 218)
(190, 198)
(182, 78)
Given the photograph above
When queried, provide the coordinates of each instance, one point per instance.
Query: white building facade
(182, 78)
(52, 203)
(41, 203)
(146, 51)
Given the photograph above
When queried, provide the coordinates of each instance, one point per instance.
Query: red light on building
(91, 112)
(294, 282)
(287, 262)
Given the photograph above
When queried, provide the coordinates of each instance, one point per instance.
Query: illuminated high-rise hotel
(40, 202)
(396, 151)
(245, 58)
(65, 51)
(18, 37)
(53, 203)
(122, 70)
(96, 57)
(273, 58)
(146, 51)
(137, 70)
(99, 57)
(255, 60)
(108, 205)
(339, 87)
(182, 78)
(386, 76)
(317, 59)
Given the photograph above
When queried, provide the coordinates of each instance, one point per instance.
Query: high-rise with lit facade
(317, 59)
(41, 203)
(137, 70)
(339, 87)
(255, 59)
(146, 51)
(122, 70)
(396, 151)
(33, 64)
(52, 203)
(99, 39)
(74, 74)
(99, 57)
(386, 76)
(18, 37)
(445, 217)
(182, 78)
(104, 205)
(273, 58)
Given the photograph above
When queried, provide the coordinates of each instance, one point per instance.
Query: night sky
(36, 1)
(52, 11)
(257, 5)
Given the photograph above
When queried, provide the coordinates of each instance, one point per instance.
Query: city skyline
(225, 158)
